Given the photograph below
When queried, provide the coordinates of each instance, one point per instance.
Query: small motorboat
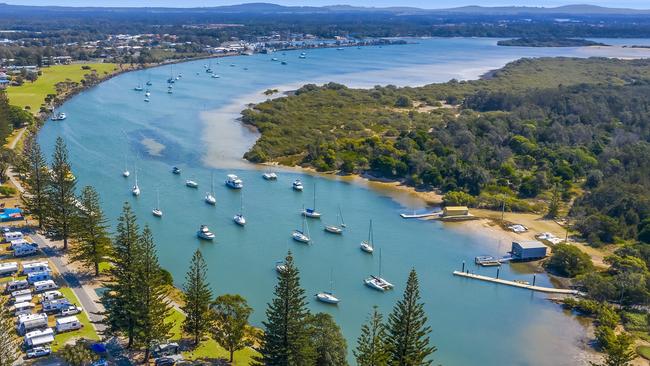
(147, 94)
(283, 63)
(146, 100)
(204, 233)
(215, 76)
(138, 88)
(327, 297)
(176, 170)
(234, 182)
(149, 83)
(274, 59)
(126, 173)
(192, 184)
(270, 176)
(58, 116)
(297, 185)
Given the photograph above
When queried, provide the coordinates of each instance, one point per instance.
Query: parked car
(38, 352)
(71, 310)
(165, 361)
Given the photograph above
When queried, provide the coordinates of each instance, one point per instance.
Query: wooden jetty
(549, 290)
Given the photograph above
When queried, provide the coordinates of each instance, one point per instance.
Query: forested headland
(543, 135)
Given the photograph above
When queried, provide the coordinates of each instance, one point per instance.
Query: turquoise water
(473, 323)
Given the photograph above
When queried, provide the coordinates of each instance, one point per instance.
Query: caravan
(12, 235)
(21, 292)
(39, 276)
(22, 298)
(23, 308)
(8, 269)
(39, 338)
(51, 295)
(67, 324)
(16, 285)
(38, 266)
(55, 305)
(47, 285)
(24, 250)
(21, 242)
(32, 321)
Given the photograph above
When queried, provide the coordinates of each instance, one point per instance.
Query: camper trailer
(8, 269)
(51, 295)
(55, 305)
(39, 276)
(12, 235)
(67, 324)
(24, 250)
(22, 298)
(21, 242)
(47, 285)
(21, 292)
(23, 308)
(39, 266)
(16, 285)
(39, 338)
(32, 321)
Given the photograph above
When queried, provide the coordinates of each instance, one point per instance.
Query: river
(195, 128)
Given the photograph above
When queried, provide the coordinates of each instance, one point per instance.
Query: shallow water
(473, 323)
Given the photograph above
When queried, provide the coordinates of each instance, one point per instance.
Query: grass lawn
(87, 332)
(33, 94)
(643, 351)
(208, 349)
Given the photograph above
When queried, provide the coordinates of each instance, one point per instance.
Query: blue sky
(429, 4)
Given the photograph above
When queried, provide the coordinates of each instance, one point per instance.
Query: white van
(12, 235)
(23, 308)
(38, 266)
(47, 285)
(24, 250)
(8, 268)
(51, 295)
(68, 323)
(39, 276)
(55, 305)
(16, 285)
(32, 321)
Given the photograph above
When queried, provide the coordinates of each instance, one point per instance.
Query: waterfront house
(527, 250)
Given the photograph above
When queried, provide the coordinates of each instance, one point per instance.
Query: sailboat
(311, 212)
(171, 79)
(335, 229)
(126, 172)
(343, 225)
(157, 211)
(239, 219)
(280, 266)
(136, 189)
(208, 70)
(300, 235)
(367, 245)
(138, 87)
(191, 183)
(209, 197)
(377, 282)
(328, 296)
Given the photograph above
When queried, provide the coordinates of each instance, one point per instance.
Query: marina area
(198, 139)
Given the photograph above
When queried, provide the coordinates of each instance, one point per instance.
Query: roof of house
(529, 244)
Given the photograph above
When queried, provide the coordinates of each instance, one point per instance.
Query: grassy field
(209, 349)
(87, 332)
(33, 94)
(643, 351)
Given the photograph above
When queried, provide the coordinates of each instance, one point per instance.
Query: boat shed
(455, 211)
(527, 250)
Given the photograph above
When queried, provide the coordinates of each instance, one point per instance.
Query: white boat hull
(378, 283)
(209, 199)
(300, 237)
(126, 173)
(334, 229)
(157, 213)
(327, 298)
(135, 191)
(312, 214)
(239, 220)
(366, 247)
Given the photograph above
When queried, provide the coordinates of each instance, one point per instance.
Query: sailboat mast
(158, 199)
(379, 263)
(314, 197)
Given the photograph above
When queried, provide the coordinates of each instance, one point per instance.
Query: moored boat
(297, 185)
(270, 176)
(367, 245)
(204, 233)
(192, 184)
(234, 182)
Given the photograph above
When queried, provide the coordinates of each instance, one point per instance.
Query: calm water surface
(473, 323)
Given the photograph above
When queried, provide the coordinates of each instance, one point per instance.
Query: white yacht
(280, 267)
(147, 94)
(297, 185)
(136, 189)
(335, 229)
(377, 282)
(239, 219)
(192, 184)
(126, 172)
(270, 176)
(146, 100)
(204, 233)
(209, 196)
(367, 245)
(328, 296)
(215, 76)
(170, 90)
(311, 212)
(301, 235)
(157, 211)
(58, 116)
(234, 182)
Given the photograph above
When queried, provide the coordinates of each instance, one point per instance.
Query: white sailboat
(239, 219)
(136, 189)
(209, 196)
(328, 296)
(335, 229)
(191, 183)
(377, 282)
(280, 267)
(157, 211)
(301, 235)
(367, 245)
(126, 172)
(311, 212)
(343, 225)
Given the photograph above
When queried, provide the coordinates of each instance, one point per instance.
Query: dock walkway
(549, 290)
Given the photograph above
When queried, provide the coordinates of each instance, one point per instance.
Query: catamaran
(311, 212)
(367, 245)
(328, 296)
(297, 185)
(157, 211)
(191, 183)
(377, 282)
(239, 219)
(300, 235)
(234, 182)
(209, 196)
(136, 189)
(204, 233)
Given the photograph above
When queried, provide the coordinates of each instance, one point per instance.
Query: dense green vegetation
(533, 134)
(549, 42)
(568, 260)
